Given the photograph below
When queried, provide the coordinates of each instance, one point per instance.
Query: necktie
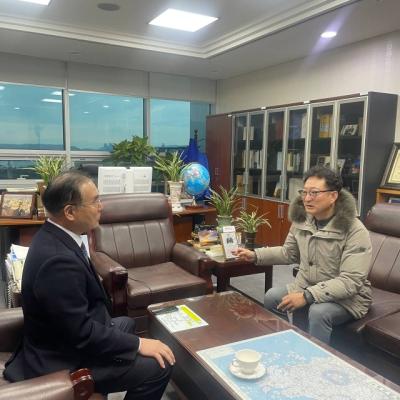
(85, 253)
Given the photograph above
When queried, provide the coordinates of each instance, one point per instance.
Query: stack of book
(14, 266)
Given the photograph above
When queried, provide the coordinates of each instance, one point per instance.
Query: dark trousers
(143, 378)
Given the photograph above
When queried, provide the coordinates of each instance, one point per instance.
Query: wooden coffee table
(231, 317)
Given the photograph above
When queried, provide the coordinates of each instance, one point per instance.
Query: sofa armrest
(193, 261)
(11, 328)
(115, 278)
(59, 385)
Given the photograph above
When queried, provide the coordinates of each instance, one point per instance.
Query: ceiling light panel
(182, 20)
(41, 2)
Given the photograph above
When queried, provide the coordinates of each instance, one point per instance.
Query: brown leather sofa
(135, 252)
(375, 339)
(61, 385)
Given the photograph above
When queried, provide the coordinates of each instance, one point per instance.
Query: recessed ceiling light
(17, 108)
(41, 2)
(52, 100)
(2, 87)
(86, 112)
(106, 106)
(182, 20)
(108, 6)
(328, 34)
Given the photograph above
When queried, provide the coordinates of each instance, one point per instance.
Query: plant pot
(249, 240)
(224, 220)
(175, 191)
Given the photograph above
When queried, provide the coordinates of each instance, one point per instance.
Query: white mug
(247, 360)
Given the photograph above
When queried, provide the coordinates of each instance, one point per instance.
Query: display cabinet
(351, 134)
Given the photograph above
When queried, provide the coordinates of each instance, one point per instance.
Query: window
(99, 120)
(14, 169)
(31, 117)
(173, 122)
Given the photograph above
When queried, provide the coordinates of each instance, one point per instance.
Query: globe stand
(194, 205)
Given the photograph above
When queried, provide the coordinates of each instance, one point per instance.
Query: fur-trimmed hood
(345, 211)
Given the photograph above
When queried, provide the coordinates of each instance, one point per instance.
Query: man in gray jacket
(333, 250)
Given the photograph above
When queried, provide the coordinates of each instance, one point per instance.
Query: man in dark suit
(66, 311)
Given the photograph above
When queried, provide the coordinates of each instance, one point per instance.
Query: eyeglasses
(95, 203)
(313, 193)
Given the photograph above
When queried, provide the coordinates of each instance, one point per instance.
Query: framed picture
(17, 205)
(324, 161)
(349, 130)
(229, 243)
(391, 177)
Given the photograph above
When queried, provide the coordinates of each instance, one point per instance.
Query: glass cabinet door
(297, 132)
(274, 155)
(255, 154)
(351, 126)
(321, 135)
(239, 152)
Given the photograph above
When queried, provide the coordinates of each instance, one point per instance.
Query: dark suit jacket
(66, 312)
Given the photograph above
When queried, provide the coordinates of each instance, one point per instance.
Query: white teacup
(247, 360)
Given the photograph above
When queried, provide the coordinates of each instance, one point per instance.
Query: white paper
(182, 319)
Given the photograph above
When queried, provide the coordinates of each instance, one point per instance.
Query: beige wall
(371, 65)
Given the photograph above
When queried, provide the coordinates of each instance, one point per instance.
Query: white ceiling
(249, 35)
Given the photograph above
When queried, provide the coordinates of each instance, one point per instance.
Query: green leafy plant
(249, 221)
(170, 165)
(224, 202)
(135, 152)
(48, 167)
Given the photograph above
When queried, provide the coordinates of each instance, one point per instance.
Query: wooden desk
(383, 195)
(184, 221)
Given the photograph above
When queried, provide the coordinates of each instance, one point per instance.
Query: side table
(226, 269)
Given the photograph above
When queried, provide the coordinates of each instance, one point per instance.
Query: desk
(184, 221)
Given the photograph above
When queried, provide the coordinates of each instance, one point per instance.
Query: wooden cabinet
(218, 149)
(276, 213)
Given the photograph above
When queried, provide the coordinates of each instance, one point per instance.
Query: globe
(195, 178)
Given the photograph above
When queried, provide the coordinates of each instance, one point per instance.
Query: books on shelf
(325, 126)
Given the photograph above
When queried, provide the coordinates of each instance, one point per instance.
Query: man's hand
(292, 301)
(244, 254)
(157, 350)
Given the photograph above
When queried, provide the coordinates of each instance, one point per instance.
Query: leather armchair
(135, 252)
(61, 385)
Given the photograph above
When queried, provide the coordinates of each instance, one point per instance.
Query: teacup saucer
(258, 372)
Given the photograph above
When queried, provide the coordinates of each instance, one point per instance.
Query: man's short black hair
(332, 179)
(62, 190)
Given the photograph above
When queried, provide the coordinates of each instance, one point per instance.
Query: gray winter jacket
(333, 262)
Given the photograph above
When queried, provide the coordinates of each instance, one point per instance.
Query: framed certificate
(391, 177)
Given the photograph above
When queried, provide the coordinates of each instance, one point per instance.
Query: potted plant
(171, 166)
(225, 203)
(248, 222)
(135, 152)
(48, 167)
